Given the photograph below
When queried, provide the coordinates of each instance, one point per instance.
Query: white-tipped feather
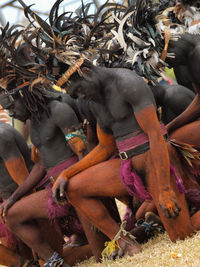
(119, 35)
(138, 41)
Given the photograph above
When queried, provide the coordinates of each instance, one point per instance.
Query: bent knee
(13, 218)
(75, 190)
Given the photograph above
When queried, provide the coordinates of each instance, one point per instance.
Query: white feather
(86, 29)
(152, 41)
(145, 52)
(135, 57)
(119, 33)
(137, 40)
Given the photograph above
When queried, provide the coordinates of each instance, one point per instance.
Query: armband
(77, 133)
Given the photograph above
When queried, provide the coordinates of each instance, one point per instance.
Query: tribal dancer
(94, 86)
(121, 113)
(50, 129)
(14, 168)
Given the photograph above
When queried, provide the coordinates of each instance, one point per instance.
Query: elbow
(109, 151)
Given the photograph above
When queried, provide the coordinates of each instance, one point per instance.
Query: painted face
(16, 107)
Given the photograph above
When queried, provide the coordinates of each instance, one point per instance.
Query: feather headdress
(115, 36)
(131, 36)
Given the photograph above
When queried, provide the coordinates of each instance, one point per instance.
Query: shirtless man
(188, 45)
(50, 123)
(125, 108)
(173, 100)
(15, 165)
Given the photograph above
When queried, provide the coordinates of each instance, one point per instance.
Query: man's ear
(86, 71)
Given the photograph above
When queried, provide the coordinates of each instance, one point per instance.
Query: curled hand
(4, 208)
(59, 187)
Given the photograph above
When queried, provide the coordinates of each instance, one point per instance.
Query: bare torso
(48, 136)
(122, 90)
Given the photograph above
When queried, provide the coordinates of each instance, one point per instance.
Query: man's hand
(4, 208)
(59, 187)
(169, 204)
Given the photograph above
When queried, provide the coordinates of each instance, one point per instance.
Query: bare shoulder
(128, 79)
(130, 84)
(6, 132)
(62, 113)
(7, 138)
(59, 108)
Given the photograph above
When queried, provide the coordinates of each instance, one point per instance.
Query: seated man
(49, 125)
(125, 107)
(15, 165)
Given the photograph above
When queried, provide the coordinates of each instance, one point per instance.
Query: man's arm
(13, 159)
(27, 186)
(143, 105)
(104, 150)
(148, 121)
(146, 116)
(66, 120)
(34, 177)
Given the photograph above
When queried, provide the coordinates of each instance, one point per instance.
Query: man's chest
(42, 132)
(111, 111)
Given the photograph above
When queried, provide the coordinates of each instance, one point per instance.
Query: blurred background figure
(4, 117)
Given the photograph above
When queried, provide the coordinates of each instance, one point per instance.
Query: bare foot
(169, 204)
(124, 246)
(128, 246)
(124, 243)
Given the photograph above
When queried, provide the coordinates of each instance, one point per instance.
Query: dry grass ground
(158, 252)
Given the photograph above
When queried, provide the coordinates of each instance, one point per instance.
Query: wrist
(13, 198)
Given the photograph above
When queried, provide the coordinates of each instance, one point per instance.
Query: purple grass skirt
(129, 176)
(130, 219)
(6, 234)
(64, 216)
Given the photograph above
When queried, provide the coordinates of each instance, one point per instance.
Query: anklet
(54, 261)
(113, 245)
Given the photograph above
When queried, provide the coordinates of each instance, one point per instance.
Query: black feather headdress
(116, 35)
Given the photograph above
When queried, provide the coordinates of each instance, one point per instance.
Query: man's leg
(95, 237)
(85, 191)
(77, 254)
(21, 219)
(103, 180)
(9, 257)
(188, 134)
(196, 221)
